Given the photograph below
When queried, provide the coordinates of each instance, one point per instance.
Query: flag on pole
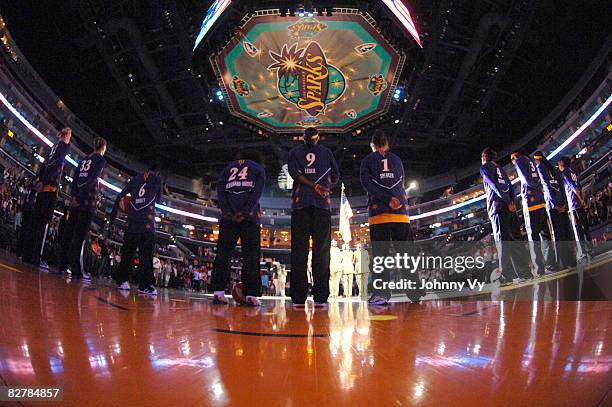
(346, 213)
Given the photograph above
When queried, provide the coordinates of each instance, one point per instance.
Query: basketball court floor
(529, 345)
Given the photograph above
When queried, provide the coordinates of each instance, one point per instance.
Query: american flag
(346, 213)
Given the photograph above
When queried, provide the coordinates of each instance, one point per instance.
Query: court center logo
(306, 79)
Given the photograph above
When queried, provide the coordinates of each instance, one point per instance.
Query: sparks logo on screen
(213, 14)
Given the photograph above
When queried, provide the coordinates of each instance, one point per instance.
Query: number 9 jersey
(318, 165)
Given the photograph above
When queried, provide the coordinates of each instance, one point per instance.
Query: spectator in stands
(157, 266)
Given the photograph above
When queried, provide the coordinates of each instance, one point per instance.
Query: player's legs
(542, 223)
(128, 252)
(24, 243)
(80, 229)
(320, 230)
(533, 237)
(585, 233)
(381, 236)
(300, 226)
(250, 238)
(145, 242)
(500, 223)
(565, 243)
(43, 213)
(228, 238)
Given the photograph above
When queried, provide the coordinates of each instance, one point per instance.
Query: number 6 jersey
(145, 191)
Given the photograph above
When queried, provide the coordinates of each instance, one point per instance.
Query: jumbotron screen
(284, 74)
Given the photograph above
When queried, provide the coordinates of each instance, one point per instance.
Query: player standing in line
(556, 207)
(382, 176)
(239, 189)
(500, 206)
(84, 204)
(145, 191)
(534, 214)
(577, 205)
(315, 172)
(49, 178)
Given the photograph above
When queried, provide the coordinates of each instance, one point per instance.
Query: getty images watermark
(416, 268)
(402, 263)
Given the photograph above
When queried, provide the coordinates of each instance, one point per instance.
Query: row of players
(553, 211)
(315, 173)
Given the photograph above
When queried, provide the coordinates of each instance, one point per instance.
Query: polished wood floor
(106, 349)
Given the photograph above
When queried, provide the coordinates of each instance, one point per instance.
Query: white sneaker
(125, 286)
(219, 298)
(68, 272)
(496, 274)
(43, 266)
(252, 301)
(148, 291)
(377, 300)
(86, 277)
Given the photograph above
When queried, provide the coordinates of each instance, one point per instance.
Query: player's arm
(399, 171)
(222, 194)
(295, 171)
(574, 187)
(490, 181)
(255, 194)
(293, 167)
(365, 175)
(126, 190)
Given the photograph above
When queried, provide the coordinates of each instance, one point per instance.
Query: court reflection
(180, 349)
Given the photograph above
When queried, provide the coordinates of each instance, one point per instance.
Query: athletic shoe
(125, 286)
(495, 274)
(549, 269)
(219, 299)
(43, 266)
(86, 276)
(67, 271)
(299, 307)
(377, 300)
(415, 295)
(148, 291)
(321, 305)
(518, 280)
(252, 301)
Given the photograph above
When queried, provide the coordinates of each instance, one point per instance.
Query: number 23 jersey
(85, 184)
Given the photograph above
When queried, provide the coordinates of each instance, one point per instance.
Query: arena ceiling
(488, 71)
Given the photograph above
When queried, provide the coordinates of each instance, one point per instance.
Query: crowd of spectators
(599, 208)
